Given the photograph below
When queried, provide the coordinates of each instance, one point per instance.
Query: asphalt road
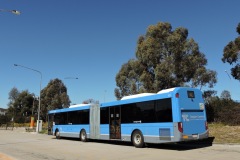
(21, 145)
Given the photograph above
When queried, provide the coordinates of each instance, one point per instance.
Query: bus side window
(104, 115)
(164, 110)
(57, 118)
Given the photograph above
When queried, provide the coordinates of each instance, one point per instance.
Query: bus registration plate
(195, 136)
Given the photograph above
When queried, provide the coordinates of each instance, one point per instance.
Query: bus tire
(83, 136)
(137, 139)
(57, 134)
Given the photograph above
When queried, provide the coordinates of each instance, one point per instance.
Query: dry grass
(224, 134)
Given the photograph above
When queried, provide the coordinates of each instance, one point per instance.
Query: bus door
(50, 123)
(115, 123)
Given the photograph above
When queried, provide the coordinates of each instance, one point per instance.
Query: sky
(91, 40)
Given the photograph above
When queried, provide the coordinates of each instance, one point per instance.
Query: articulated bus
(169, 116)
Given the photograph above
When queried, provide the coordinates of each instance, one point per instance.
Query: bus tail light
(180, 127)
(177, 95)
(206, 125)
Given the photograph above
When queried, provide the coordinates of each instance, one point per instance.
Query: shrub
(224, 111)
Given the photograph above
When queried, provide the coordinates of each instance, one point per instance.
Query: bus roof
(71, 108)
(78, 105)
(139, 98)
(166, 90)
(166, 93)
(137, 95)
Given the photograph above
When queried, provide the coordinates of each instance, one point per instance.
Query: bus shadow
(112, 142)
(181, 146)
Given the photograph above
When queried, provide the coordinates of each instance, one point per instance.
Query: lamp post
(33, 104)
(71, 78)
(11, 11)
(39, 105)
(230, 82)
(228, 74)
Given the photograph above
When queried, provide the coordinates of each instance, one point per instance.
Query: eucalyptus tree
(20, 107)
(164, 58)
(54, 96)
(231, 55)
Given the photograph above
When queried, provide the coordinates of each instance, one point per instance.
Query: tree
(223, 110)
(13, 94)
(225, 95)
(54, 96)
(90, 101)
(231, 55)
(164, 58)
(208, 94)
(20, 106)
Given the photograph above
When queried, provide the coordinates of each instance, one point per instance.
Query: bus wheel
(57, 133)
(83, 136)
(137, 139)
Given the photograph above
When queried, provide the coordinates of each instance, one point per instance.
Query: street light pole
(228, 74)
(230, 82)
(39, 105)
(71, 78)
(11, 11)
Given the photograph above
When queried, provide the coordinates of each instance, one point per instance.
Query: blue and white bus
(169, 116)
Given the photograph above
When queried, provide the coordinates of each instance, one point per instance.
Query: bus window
(146, 111)
(104, 114)
(84, 117)
(60, 118)
(164, 110)
(74, 117)
(190, 94)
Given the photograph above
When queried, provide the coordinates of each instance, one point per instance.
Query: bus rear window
(190, 94)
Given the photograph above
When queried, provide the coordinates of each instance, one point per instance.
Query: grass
(224, 134)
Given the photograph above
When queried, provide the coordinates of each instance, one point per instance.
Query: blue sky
(91, 39)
